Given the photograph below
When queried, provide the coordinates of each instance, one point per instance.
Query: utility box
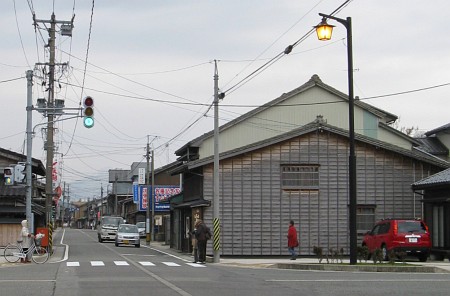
(44, 231)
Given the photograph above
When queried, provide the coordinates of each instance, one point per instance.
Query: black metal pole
(352, 157)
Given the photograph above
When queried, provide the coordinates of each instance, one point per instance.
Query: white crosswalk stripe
(73, 263)
(125, 263)
(146, 263)
(196, 265)
(172, 264)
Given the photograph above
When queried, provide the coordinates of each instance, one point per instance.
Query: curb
(360, 268)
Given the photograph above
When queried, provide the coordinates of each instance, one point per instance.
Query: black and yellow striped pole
(50, 238)
(216, 237)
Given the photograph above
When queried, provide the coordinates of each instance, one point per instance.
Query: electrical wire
(135, 82)
(85, 65)
(285, 52)
(12, 79)
(20, 35)
(273, 43)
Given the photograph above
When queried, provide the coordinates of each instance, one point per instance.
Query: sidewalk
(302, 263)
(309, 263)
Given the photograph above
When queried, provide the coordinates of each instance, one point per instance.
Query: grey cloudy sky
(142, 51)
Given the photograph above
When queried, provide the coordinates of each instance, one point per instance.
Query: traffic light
(88, 112)
(19, 173)
(8, 175)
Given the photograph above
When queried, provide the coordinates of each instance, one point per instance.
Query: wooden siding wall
(255, 212)
(10, 233)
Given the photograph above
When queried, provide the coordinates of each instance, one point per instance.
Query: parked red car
(407, 235)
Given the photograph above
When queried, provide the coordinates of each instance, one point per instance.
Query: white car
(128, 234)
(141, 228)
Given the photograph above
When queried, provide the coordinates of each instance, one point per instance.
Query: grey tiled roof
(433, 145)
(437, 130)
(441, 178)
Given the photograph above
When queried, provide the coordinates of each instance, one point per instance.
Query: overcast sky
(150, 69)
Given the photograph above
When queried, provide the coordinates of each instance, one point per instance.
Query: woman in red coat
(292, 240)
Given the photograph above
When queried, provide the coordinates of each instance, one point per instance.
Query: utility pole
(101, 200)
(153, 195)
(147, 181)
(51, 104)
(63, 209)
(216, 220)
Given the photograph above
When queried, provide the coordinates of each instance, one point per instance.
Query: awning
(193, 204)
(436, 200)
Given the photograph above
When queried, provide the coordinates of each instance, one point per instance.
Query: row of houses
(288, 160)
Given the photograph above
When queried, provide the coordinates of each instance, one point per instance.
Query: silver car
(128, 234)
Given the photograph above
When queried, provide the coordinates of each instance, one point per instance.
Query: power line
(12, 79)
(136, 82)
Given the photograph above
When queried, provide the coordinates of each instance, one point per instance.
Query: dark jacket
(201, 231)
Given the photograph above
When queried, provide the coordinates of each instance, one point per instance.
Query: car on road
(141, 228)
(399, 235)
(107, 227)
(128, 234)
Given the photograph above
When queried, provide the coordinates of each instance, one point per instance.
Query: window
(365, 217)
(300, 177)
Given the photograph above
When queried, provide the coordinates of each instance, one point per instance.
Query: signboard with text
(135, 192)
(141, 176)
(161, 195)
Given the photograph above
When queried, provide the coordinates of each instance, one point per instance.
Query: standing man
(292, 240)
(202, 234)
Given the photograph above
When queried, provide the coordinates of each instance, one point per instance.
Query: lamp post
(324, 32)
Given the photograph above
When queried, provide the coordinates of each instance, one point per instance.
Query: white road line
(121, 263)
(172, 264)
(97, 263)
(196, 265)
(364, 280)
(146, 263)
(73, 263)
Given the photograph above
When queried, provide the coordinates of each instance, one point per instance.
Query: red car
(407, 235)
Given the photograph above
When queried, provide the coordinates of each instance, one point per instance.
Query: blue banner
(135, 192)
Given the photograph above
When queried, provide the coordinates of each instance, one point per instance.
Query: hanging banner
(161, 195)
(135, 192)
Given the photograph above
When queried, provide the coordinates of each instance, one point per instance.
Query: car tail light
(395, 227)
(426, 227)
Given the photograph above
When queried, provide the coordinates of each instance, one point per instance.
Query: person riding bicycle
(27, 239)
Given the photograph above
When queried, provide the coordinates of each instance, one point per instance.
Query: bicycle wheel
(12, 253)
(40, 255)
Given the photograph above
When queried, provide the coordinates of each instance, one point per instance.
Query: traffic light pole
(29, 163)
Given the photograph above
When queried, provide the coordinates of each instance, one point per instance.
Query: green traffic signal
(88, 112)
(8, 181)
(88, 122)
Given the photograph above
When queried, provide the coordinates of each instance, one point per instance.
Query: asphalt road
(94, 268)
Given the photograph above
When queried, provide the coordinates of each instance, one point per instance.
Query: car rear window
(411, 227)
(128, 228)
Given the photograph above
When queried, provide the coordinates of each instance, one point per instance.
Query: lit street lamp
(324, 32)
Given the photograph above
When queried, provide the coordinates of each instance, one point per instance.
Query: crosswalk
(125, 263)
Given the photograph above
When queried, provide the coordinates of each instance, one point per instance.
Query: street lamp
(324, 32)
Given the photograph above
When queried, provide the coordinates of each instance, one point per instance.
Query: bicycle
(39, 254)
